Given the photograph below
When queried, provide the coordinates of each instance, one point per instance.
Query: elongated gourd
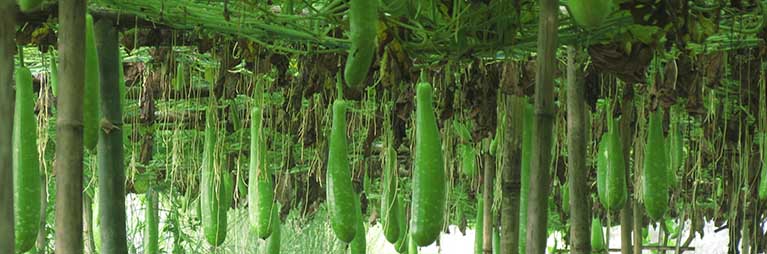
(479, 225)
(468, 160)
(597, 236)
(565, 189)
(358, 244)
(401, 245)
(29, 5)
(340, 194)
(655, 177)
(763, 181)
(26, 167)
(589, 14)
(273, 245)
(675, 151)
(91, 97)
(527, 153)
(363, 26)
(151, 232)
(211, 186)
(389, 218)
(496, 241)
(615, 182)
(260, 186)
(412, 247)
(602, 165)
(428, 204)
(54, 78)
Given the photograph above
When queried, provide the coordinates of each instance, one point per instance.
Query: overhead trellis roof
(477, 29)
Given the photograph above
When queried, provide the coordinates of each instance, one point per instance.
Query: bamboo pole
(487, 227)
(511, 174)
(69, 128)
(580, 207)
(111, 200)
(542, 131)
(7, 100)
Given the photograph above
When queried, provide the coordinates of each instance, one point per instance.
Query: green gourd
(389, 218)
(468, 160)
(479, 225)
(54, 76)
(402, 243)
(589, 14)
(763, 181)
(602, 168)
(260, 186)
(340, 194)
(358, 244)
(273, 243)
(675, 152)
(29, 5)
(412, 247)
(428, 204)
(597, 236)
(212, 187)
(655, 175)
(91, 97)
(496, 241)
(151, 230)
(363, 26)
(26, 166)
(565, 189)
(615, 182)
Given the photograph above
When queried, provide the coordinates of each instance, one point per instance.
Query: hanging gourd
(363, 26)
(655, 177)
(428, 204)
(340, 194)
(26, 166)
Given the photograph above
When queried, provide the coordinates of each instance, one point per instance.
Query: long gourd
(597, 236)
(54, 78)
(212, 186)
(763, 181)
(428, 204)
(401, 245)
(273, 245)
(602, 165)
(91, 96)
(340, 194)
(151, 232)
(479, 225)
(260, 186)
(615, 179)
(655, 177)
(675, 151)
(29, 5)
(358, 244)
(363, 26)
(26, 167)
(589, 14)
(389, 218)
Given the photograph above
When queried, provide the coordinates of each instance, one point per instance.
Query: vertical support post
(7, 100)
(111, 200)
(580, 205)
(542, 130)
(69, 128)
